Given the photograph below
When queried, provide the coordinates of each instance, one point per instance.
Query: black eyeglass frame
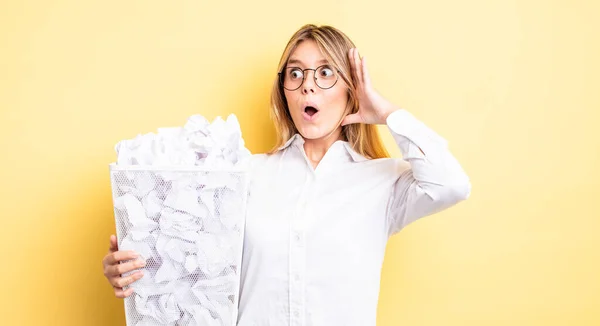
(314, 70)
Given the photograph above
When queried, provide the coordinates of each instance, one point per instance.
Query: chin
(312, 135)
(314, 132)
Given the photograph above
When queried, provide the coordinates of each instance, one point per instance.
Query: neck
(315, 149)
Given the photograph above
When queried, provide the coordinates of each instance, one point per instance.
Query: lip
(308, 117)
(305, 115)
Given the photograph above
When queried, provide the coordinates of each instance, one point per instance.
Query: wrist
(387, 111)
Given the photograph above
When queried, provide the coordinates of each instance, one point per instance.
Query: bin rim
(175, 168)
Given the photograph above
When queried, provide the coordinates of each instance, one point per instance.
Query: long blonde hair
(334, 45)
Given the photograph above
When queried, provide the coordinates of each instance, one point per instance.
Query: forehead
(307, 53)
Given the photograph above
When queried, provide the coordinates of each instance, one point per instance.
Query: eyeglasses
(291, 78)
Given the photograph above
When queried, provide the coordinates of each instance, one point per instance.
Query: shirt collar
(297, 141)
(354, 154)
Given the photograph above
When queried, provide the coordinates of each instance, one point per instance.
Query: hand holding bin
(183, 211)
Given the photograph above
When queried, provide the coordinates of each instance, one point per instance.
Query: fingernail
(143, 263)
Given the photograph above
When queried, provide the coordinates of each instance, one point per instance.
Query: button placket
(298, 256)
(297, 264)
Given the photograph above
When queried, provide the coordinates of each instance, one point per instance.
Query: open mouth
(310, 110)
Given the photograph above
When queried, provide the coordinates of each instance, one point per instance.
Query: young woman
(325, 200)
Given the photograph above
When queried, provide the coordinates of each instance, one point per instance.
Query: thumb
(351, 118)
(113, 243)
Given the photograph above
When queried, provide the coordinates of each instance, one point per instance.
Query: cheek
(340, 99)
(290, 99)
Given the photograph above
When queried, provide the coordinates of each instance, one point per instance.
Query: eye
(295, 73)
(326, 71)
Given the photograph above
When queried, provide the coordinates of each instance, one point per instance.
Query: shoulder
(261, 161)
(258, 159)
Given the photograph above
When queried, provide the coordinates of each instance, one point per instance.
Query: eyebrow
(296, 61)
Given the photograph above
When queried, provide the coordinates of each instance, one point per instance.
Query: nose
(309, 84)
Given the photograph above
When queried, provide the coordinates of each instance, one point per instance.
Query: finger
(113, 244)
(119, 282)
(119, 269)
(118, 256)
(354, 67)
(351, 60)
(365, 73)
(120, 293)
(351, 118)
(357, 67)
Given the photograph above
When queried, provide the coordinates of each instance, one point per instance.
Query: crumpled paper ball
(212, 145)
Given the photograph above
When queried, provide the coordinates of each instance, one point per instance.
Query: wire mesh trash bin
(187, 223)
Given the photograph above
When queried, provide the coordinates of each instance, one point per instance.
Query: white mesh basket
(187, 223)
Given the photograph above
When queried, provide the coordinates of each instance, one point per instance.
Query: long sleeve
(433, 182)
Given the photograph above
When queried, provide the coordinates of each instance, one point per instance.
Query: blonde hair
(334, 45)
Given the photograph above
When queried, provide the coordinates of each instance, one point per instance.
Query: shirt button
(297, 236)
(297, 277)
(296, 314)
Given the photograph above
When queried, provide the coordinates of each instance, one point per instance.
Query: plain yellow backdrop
(512, 85)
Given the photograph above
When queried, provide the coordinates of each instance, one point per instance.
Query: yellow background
(512, 85)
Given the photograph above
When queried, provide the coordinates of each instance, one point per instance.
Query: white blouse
(315, 238)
